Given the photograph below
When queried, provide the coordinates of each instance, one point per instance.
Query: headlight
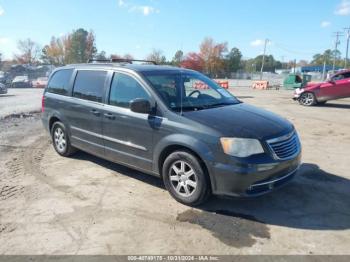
(241, 147)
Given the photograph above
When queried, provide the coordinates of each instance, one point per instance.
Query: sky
(296, 29)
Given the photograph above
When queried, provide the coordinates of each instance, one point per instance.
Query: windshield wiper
(221, 104)
(189, 108)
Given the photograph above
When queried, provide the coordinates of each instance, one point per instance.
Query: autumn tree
(29, 51)
(55, 52)
(193, 61)
(157, 56)
(213, 56)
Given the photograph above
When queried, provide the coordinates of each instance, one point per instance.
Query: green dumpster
(294, 81)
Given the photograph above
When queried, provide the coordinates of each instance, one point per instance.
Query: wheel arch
(200, 150)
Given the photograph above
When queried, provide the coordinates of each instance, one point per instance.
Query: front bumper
(245, 180)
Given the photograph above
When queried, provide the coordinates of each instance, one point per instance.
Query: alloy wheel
(60, 139)
(307, 99)
(183, 178)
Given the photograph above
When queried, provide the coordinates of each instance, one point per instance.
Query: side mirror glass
(140, 105)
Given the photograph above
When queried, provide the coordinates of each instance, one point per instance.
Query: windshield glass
(189, 91)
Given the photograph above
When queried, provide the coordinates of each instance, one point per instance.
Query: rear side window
(59, 82)
(89, 85)
(124, 89)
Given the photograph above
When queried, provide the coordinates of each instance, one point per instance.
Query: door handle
(109, 116)
(95, 112)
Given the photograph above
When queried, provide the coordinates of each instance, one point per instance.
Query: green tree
(178, 58)
(328, 57)
(101, 56)
(81, 45)
(270, 64)
(233, 60)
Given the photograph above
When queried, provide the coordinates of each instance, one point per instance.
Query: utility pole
(347, 47)
(263, 59)
(337, 42)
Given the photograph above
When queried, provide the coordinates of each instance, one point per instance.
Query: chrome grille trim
(284, 147)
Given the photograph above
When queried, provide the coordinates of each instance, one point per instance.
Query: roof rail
(120, 60)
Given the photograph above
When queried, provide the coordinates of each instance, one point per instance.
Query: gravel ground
(85, 205)
(21, 100)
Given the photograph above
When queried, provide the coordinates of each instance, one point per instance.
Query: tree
(328, 57)
(29, 51)
(233, 60)
(101, 56)
(178, 57)
(193, 61)
(213, 56)
(270, 64)
(55, 52)
(80, 46)
(157, 56)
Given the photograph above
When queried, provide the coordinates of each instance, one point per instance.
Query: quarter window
(59, 82)
(124, 89)
(89, 85)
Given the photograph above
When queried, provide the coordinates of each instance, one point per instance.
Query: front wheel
(186, 179)
(307, 99)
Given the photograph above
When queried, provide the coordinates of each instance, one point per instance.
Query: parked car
(153, 119)
(336, 87)
(21, 82)
(40, 82)
(3, 89)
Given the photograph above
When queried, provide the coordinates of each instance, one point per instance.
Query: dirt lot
(84, 205)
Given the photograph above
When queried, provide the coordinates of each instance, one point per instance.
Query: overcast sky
(296, 29)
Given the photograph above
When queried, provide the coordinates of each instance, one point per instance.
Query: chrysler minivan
(173, 123)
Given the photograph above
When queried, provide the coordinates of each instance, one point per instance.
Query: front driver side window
(338, 77)
(124, 89)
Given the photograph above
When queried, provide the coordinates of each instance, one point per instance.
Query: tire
(60, 140)
(307, 99)
(185, 178)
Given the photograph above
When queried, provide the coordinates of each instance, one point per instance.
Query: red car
(338, 86)
(41, 82)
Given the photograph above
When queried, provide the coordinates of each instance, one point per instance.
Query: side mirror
(331, 81)
(140, 105)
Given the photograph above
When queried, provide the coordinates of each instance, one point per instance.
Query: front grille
(285, 147)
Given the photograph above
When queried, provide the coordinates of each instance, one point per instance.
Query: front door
(128, 135)
(338, 88)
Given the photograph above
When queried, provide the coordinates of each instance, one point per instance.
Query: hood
(243, 121)
(312, 85)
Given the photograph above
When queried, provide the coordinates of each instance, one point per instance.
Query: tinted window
(89, 85)
(125, 89)
(59, 83)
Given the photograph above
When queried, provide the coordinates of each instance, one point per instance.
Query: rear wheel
(307, 99)
(60, 140)
(185, 178)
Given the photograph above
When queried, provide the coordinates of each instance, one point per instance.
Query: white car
(20, 81)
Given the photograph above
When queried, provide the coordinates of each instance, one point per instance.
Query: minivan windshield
(183, 91)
